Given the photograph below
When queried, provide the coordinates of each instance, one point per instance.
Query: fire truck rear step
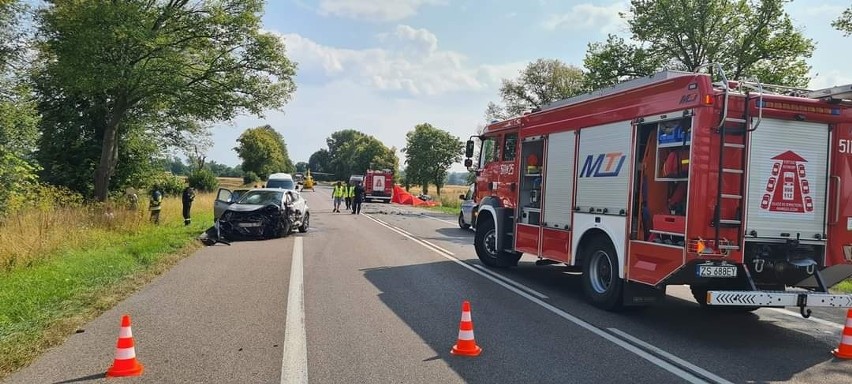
(778, 299)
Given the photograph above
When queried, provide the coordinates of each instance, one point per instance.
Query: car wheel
(305, 223)
(285, 228)
(462, 224)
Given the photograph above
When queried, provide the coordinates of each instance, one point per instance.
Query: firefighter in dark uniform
(357, 198)
(155, 204)
(188, 197)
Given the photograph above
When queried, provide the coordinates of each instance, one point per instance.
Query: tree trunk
(109, 158)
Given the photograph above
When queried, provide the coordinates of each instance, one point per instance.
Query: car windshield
(262, 197)
(281, 183)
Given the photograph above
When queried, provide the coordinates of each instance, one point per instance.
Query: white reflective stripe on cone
(849, 323)
(846, 340)
(125, 333)
(465, 316)
(465, 335)
(125, 353)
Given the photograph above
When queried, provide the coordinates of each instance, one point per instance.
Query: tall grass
(64, 266)
(34, 235)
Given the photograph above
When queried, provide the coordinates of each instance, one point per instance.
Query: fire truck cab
(739, 189)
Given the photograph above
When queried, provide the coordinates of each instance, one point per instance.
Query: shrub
(250, 177)
(203, 180)
(168, 183)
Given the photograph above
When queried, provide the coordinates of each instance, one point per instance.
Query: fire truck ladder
(728, 127)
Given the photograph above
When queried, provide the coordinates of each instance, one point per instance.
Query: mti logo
(603, 165)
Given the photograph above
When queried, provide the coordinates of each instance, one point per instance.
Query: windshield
(281, 183)
(262, 198)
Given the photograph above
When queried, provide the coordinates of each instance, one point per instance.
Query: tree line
(751, 39)
(95, 95)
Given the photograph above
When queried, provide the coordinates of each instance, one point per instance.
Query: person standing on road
(188, 197)
(347, 193)
(357, 198)
(155, 204)
(337, 194)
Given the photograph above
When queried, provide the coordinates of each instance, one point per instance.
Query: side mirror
(468, 163)
(468, 150)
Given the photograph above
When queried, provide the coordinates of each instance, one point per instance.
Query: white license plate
(248, 225)
(717, 270)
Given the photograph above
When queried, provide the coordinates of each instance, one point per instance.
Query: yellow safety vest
(351, 191)
(338, 191)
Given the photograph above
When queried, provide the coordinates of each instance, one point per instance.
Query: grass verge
(41, 304)
(844, 287)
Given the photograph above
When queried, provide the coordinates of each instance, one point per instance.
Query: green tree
(301, 166)
(353, 152)
(844, 22)
(541, 82)
(162, 64)
(320, 161)
(749, 38)
(263, 151)
(429, 152)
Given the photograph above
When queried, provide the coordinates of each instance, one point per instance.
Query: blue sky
(383, 66)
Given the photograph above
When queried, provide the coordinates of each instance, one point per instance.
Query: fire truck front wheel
(485, 243)
(601, 283)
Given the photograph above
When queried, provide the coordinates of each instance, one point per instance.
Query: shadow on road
(517, 335)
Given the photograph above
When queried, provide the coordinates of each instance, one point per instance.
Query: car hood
(245, 207)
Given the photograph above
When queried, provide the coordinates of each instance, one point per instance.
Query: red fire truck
(378, 185)
(739, 189)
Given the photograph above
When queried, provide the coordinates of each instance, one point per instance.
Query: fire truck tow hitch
(779, 299)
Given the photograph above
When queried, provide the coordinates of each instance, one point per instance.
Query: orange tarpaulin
(401, 196)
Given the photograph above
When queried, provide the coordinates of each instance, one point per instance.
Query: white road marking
(434, 247)
(510, 281)
(683, 374)
(814, 319)
(441, 220)
(294, 365)
(669, 356)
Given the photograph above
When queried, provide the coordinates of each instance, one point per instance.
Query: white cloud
(374, 10)
(585, 16)
(408, 59)
(830, 78)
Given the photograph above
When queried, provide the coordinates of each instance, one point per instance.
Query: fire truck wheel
(485, 243)
(601, 283)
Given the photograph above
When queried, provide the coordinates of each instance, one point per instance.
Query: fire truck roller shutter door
(603, 181)
(785, 156)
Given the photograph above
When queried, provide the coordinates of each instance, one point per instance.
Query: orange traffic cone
(125, 363)
(844, 351)
(466, 345)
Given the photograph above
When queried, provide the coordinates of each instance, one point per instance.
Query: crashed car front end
(252, 222)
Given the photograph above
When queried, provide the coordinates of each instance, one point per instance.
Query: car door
(223, 201)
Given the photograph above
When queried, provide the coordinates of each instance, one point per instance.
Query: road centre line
(294, 364)
(683, 363)
(683, 374)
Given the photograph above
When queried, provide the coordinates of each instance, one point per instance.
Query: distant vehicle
(378, 185)
(356, 178)
(467, 215)
(281, 180)
(262, 213)
(299, 178)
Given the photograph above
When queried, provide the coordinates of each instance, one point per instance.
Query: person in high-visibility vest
(347, 197)
(337, 194)
(155, 204)
(350, 196)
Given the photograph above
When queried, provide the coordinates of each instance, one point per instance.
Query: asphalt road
(376, 298)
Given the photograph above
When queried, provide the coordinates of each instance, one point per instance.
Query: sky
(384, 66)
